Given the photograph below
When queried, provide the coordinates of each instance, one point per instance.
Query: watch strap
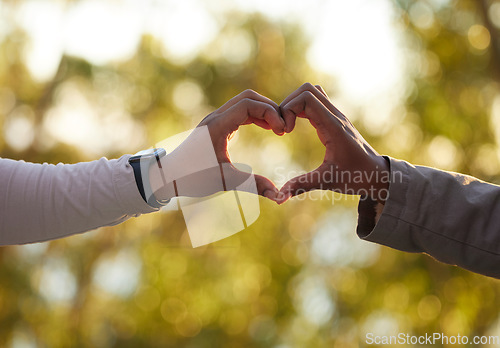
(141, 164)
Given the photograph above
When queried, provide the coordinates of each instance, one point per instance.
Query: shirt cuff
(126, 190)
(379, 225)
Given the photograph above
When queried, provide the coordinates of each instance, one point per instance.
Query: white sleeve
(40, 202)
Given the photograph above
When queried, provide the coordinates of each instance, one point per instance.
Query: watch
(141, 163)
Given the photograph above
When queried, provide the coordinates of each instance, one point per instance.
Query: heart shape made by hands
(346, 152)
(350, 166)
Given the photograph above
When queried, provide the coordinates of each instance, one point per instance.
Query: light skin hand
(347, 154)
(246, 108)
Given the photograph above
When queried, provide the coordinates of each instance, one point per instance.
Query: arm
(452, 217)
(40, 202)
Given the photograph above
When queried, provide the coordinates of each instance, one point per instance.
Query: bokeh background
(84, 79)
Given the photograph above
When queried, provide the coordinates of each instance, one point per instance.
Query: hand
(200, 162)
(350, 166)
(245, 108)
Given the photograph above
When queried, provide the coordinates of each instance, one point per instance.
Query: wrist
(162, 185)
(144, 163)
(379, 185)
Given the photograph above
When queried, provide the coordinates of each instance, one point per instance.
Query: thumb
(266, 188)
(299, 185)
(238, 176)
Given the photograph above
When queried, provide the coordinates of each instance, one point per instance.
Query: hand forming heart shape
(350, 166)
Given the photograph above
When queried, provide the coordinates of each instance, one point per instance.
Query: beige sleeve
(453, 217)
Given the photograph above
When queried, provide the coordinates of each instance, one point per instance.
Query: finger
(321, 90)
(299, 185)
(266, 188)
(290, 119)
(249, 109)
(305, 87)
(307, 105)
(318, 92)
(258, 122)
(247, 94)
(239, 177)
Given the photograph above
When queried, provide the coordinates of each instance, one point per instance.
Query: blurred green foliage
(298, 277)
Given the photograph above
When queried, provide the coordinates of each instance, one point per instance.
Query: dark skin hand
(350, 166)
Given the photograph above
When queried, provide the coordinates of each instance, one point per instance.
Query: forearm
(452, 217)
(41, 201)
